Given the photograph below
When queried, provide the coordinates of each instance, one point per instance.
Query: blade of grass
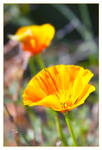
(82, 30)
(84, 13)
(18, 129)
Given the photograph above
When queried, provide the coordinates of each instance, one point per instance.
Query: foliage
(75, 42)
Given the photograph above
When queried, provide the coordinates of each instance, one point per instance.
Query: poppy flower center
(65, 98)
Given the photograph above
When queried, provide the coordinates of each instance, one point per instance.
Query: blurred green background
(75, 42)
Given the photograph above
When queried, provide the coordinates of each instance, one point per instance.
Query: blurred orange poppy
(60, 87)
(35, 38)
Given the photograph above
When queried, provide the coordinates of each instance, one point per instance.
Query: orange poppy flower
(60, 87)
(35, 38)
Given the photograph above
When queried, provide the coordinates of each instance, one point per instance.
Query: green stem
(40, 62)
(64, 142)
(31, 115)
(70, 128)
(32, 66)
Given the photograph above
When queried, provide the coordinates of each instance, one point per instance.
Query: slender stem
(40, 62)
(32, 66)
(70, 129)
(64, 142)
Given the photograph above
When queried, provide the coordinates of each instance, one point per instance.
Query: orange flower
(60, 87)
(35, 38)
